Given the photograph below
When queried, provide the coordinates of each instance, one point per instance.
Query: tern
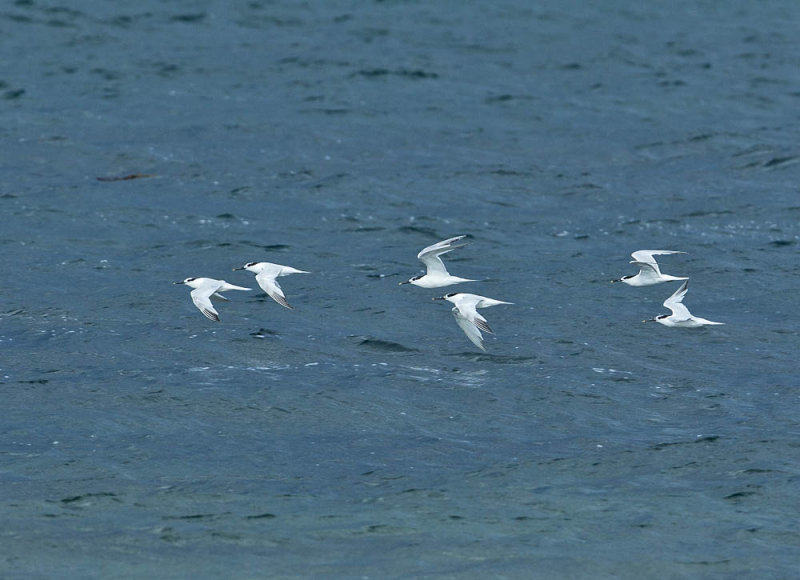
(467, 317)
(680, 314)
(266, 276)
(204, 290)
(649, 273)
(437, 275)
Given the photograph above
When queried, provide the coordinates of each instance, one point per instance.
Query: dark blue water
(361, 434)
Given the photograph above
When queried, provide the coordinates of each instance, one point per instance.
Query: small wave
(380, 345)
(263, 333)
(496, 358)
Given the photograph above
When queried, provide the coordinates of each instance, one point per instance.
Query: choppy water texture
(361, 434)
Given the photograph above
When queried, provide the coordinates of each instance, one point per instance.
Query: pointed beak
(181, 282)
(406, 282)
(439, 298)
(242, 268)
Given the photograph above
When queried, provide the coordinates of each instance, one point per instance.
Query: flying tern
(267, 275)
(466, 314)
(680, 314)
(649, 272)
(204, 290)
(437, 275)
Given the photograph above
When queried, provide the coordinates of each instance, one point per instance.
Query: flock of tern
(465, 305)
(649, 274)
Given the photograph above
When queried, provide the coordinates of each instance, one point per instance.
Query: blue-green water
(361, 434)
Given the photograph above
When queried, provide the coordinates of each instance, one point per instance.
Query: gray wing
(202, 299)
(647, 270)
(646, 257)
(430, 256)
(472, 323)
(482, 324)
(470, 329)
(675, 303)
(268, 282)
